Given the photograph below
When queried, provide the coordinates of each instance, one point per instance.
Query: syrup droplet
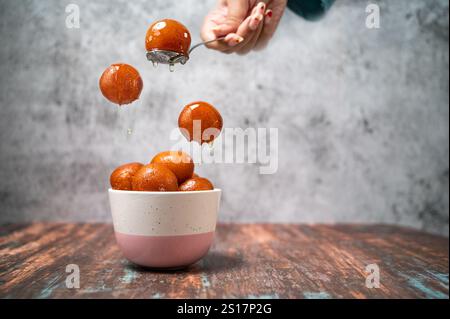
(171, 67)
(155, 64)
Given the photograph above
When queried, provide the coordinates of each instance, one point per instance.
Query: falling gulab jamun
(154, 178)
(168, 35)
(120, 178)
(180, 163)
(200, 122)
(196, 184)
(121, 83)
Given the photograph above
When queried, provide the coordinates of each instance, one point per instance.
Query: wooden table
(246, 261)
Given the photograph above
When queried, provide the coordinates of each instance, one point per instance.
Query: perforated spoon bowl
(171, 57)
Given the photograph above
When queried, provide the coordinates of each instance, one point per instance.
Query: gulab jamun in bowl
(157, 223)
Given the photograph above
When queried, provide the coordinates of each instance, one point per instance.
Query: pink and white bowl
(164, 229)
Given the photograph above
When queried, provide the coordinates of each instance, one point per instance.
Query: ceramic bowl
(164, 229)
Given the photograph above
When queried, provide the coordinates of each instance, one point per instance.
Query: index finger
(207, 34)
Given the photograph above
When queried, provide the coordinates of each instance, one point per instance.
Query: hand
(246, 24)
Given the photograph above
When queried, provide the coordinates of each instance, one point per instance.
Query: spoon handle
(203, 43)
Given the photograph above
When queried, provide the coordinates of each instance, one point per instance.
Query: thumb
(237, 12)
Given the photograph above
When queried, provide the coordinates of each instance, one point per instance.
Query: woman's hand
(246, 24)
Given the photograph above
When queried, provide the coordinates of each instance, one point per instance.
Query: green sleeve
(310, 9)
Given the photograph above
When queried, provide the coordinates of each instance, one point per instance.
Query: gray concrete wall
(363, 114)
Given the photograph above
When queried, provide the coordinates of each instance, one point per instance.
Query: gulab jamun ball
(168, 35)
(154, 178)
(180, 163)
(196, 184)
(208, 119)
(120, 178)
(121, 84)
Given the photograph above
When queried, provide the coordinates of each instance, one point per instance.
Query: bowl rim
(215, 190)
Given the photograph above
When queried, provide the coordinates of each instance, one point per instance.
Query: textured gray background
(363, 115)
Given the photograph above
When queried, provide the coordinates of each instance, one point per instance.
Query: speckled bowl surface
(164, 229)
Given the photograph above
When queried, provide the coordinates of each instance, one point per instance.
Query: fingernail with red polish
(236, 40)
(268, 16)
(254, 23)
(262, 7)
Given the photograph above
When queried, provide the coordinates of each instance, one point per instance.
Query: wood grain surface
(246, 261)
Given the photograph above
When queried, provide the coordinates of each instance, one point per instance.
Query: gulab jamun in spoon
(180, 163)
(121, 83)
(169, 42)
(200, 122)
